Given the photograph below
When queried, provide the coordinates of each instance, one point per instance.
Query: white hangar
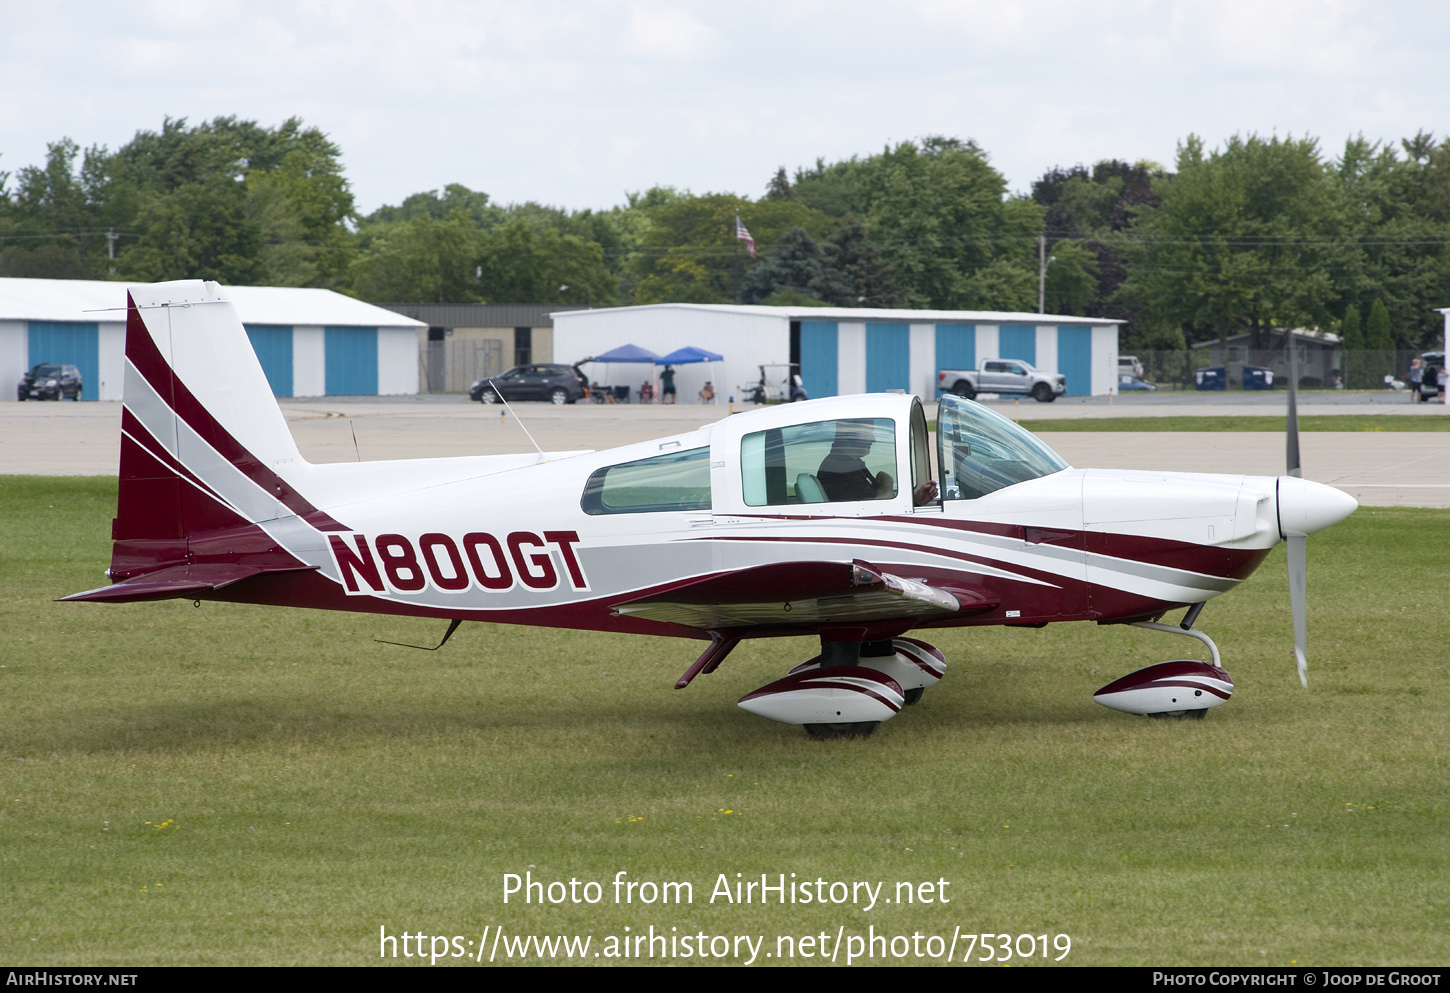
(310, 342)
(844, 350)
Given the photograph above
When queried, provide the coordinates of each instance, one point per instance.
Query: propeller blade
(1297, 601)
(1291, 425)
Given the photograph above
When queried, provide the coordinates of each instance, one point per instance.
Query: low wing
(805, 594)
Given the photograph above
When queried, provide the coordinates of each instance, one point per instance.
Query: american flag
(743, 235)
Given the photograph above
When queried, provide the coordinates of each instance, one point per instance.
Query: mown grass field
(237, 785)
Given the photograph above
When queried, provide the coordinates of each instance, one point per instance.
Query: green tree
(861, 262)
(798, 264)
(1379, 345)
(53, 225)
(940, 215)
(232, 200)
(419, 260)
(1246, 239)
(690, 254)
(199, 230)
(1351, 345)
(520, 264)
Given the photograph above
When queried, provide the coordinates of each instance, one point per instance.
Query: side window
(822, 462)
(677, 481)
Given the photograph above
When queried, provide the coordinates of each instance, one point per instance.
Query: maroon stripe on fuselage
(1025, 571)
(1208, 560)
(141, 351)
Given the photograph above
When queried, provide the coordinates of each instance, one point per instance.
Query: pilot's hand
(924, 494)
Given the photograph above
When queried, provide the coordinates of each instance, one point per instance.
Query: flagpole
(737, 257)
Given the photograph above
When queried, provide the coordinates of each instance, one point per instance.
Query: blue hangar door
(273, 346)
(818, 358)
(352, 361)
(76, 343)
(888, 357)
(1075, 359)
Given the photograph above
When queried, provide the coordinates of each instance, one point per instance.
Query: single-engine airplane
(817, 518)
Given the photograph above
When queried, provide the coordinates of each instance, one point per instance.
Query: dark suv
(555, 383)
(51, 381)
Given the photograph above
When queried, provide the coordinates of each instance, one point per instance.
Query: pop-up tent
(624, 353)
(688, 354)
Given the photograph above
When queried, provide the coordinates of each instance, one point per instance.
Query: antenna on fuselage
(504, 400)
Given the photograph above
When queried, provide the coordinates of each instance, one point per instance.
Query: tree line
(1257, 234)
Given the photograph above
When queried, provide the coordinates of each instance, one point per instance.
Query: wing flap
(805, 594)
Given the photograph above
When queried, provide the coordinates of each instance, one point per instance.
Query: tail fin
(203, 446)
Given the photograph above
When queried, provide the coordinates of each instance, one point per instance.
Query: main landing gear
(1182, 690)
(851, 687)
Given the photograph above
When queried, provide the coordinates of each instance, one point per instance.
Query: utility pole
(1042, 274)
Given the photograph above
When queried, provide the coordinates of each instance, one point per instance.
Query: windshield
(981, 451)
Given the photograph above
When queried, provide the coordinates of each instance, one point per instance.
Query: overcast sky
(574, 103)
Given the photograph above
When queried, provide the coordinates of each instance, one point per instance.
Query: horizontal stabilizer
(179, 582)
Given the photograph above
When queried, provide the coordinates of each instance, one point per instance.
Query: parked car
(51, 381)
(556, 383)
(1129, 384)
(1004, 377)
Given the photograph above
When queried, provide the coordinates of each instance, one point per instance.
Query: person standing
(667, 385)
(1417, 375)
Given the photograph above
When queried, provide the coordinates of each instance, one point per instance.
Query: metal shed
(849, 350)
(311, 342)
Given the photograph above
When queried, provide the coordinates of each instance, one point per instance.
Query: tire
(559, 396)
(1042, 393)
(913, 696)
(488, 396)
(964, 389)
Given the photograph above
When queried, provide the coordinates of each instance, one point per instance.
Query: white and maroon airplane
(816, 518)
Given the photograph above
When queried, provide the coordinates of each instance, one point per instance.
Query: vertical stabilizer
(203, 451)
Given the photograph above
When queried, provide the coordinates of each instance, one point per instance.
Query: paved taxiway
(1409, 469)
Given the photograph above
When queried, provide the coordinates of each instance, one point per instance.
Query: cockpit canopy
(980, 451)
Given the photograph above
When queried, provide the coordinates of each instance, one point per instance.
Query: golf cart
(788, 387)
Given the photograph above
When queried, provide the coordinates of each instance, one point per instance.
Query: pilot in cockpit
(844, 475)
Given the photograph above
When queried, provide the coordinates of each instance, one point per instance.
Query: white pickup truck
(1006, 377)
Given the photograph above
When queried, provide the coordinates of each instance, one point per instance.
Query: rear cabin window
(843, 461)
(677, 481)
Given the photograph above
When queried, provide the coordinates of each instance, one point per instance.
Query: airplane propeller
(1304, 507)
(1297, 551)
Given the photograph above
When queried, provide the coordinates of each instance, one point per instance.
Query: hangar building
(843, 350)
(311, 342)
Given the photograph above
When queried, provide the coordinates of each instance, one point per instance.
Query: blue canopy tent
(689, 354)
(624, 353)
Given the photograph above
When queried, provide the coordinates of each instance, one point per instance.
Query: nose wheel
(1183, 690)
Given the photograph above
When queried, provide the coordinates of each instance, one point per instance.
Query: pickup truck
(1004, 377)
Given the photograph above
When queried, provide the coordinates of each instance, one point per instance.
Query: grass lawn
(245, 785)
